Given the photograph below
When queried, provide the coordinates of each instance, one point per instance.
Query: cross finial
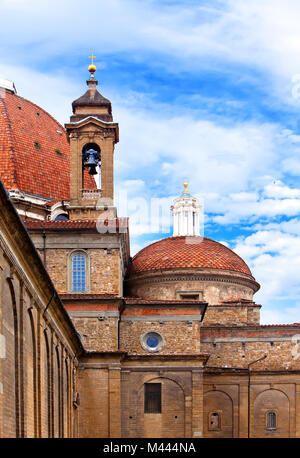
(92, 68)
(92, 57)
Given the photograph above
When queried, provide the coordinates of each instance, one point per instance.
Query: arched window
(61, 216)
(79, 272)
(271, 420)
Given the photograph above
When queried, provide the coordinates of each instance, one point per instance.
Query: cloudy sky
(207, 91)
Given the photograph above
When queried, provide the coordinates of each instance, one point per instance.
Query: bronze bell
(92, 160)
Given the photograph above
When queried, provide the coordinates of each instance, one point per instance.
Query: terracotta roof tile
(187, 252)
(34, 150)
(76, 224)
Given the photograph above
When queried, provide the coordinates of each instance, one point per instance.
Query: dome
(34, 153)
(187, 252)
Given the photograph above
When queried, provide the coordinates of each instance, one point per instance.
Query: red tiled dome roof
(187, 252)
(34, 150)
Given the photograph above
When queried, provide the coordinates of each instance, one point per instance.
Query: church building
(96, 343)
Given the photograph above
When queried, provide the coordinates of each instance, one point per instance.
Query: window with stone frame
(189, 295)
(78, 272)
(152, 396)
(271, 420)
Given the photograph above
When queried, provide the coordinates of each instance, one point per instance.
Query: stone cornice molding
(163, 277)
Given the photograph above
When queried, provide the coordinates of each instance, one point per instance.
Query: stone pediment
(93, 124)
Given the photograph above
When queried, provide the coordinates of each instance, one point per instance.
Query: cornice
(163, 277)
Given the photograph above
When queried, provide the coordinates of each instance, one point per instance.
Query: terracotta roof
(76, 224)
(34, 150)
(187, 252)
(60, 224)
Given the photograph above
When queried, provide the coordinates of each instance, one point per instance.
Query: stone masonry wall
(180, 337)
(36, 355)
(237, 349)
(234, 314)
(168, 284)
(104, 275)
(98, 335)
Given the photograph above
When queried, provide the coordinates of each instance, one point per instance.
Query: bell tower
(92, 135)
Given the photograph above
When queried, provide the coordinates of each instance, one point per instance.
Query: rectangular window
(189, 295)
(152, 398)
(271, 420)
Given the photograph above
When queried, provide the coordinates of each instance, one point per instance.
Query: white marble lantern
(186, 214)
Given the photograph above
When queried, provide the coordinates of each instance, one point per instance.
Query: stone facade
(171, 350)
(38, 342)
(214, 286)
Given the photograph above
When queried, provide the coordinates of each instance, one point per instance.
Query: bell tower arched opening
(91, 162)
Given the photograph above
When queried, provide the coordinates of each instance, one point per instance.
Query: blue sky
(203, 91)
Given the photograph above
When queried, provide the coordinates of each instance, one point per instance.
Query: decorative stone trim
(156, 335)
(177, 277)
(133, 318)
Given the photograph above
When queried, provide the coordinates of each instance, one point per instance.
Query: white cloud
(285, 315)
(278, 190)
(291, 226)
(260, 33)
(274, 259)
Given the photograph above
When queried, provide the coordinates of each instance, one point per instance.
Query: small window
(189, 295)
(79, 273)
(152, 397)
(214, 421)
(271, 420)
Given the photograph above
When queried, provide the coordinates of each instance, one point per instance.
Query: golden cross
(92, 57)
